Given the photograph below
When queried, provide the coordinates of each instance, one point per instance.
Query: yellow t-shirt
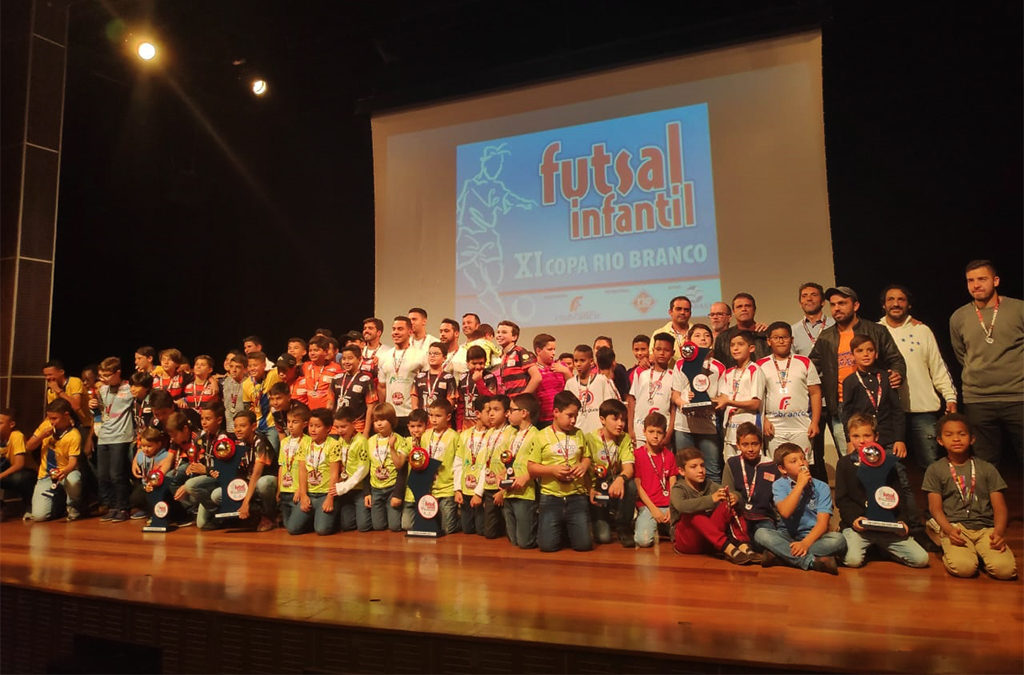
(71, 387)
(552, 447)
(443, 447)
(610, 453)
(521, 445)
(472, 445)
(14, 445)
(383, 473)
(56, 452)
(494, 470)
(289, 458)
(257, 398)
(353, 455)
(317, 459)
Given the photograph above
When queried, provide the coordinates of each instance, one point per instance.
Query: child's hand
(215, 474)
(691, 394)
(720, 401)
(895, 379)
(499, 497)
(458, 497)
(328, 504)
(305, 504)
(180, 493)
(93, 403)
(181, 403)
(812, 430)
(733, 498)
(997, 541)
(243, 511)
(475, 501)
(520, 481)
(196, 468)
(136, 471)
(856, 524)
(578, 471)
(798, 548)
(395, 502)
(593, 493)
(563, 474)
(900, 449)
(803, 478)
(147, 487)
(617, 488)
(719, 495)
(663, 516)
(295, 498)
(478, 375)
(368, 499)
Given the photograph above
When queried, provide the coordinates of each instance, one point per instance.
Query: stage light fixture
(146, 51)
(259, 86)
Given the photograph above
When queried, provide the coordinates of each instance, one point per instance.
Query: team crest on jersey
(397, 398)
(784, 402)
(586, 397)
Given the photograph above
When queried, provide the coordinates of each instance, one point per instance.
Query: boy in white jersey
(651, 390)
(791, 395)
(396, 373)
(739, 390)
(590, 388)
(695, 425)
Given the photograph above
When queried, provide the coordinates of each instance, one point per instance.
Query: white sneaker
(73, 514)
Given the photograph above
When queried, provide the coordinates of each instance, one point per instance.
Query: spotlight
(146, 51)
(259, 86)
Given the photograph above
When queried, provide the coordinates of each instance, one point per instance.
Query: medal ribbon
(749, 487)
(995, 313)
(877, 399)
(783, 374)
(961, 486)
(659, 471)
(655, 386)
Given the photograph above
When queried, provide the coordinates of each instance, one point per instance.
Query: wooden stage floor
(884, 617)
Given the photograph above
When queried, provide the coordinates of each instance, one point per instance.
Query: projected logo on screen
(593, 223)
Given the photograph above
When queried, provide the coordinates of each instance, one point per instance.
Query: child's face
(89, 377)
(654, 436)
(111, 378)
(161, 414)
(662, 352)
(955, 437)
(332, 353)
(295, 426)
(209, 421)
(750, 447)
(565, 419)
(613, 425)
(168, 364)
(316, 354)
(201, 368)
(864, 355)
(860, 436)
(59, 421)
(143, 362)
(417, 428)
(349, 361)
(546, 354)
(297, 351)
(243, 428)
(249, 346)
(504, 336)
(793, 463)
(149, 448)
(279, 401)
(780, 341)
(476, 365)
(641, 351)
(180, 436)
(256, 368)
(235, 370)
(382, 426)
(568, 362)
(496, 414)
(435, 357)
(740, 350)
(693, 470)
(6, 426)
(702, 338)
(287, 374)
(343, 428)
(317, 429)
(139, 392)
(438, 419)
(515, 414)
(584, 363)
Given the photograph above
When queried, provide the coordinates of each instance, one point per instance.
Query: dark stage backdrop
(194, 220)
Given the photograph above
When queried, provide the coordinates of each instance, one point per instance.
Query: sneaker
(138, 515)
(185, 522)
(108, 515)
(769, 559)
(736, 556)
(627, 540)
(826, 564)
(73, 514)
(27, 516)
(266, 524)
(118, 516)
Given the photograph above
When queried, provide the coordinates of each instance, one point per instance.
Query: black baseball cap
(844, 291)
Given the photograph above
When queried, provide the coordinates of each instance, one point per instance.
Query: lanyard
(784, 373)
(501, 370)
(564, 452)
(315, 456)
(988, 331)
(435, 443)
(197, 394)
(586, 388)
(654, 387)
(659, 471)
(397, 362)
(749, 487)
(316, 380)
(431, 388)
(737, 376)
(290, 451)
(381, 457)
(813, 338)
(876, 400)
(474, 445)
(612, 449)
(967, 497)
(343, 390)
(517, 441)
(492, 442)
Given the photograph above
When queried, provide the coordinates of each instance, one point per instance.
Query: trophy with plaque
(421, 480)
(882, 500)
(507, 458)
(692, 358)
(157, 498)
(232, 488)
(603, 475)
(54, 474)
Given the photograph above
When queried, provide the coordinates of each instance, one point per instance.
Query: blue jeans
(22, 483)
(647, 528)
(472, 517)
(285, 505)
(274, 438)
(51, 503)
(903, 549)
(921, 438)
(619, 511)
(198, 491)
(564, 515)
(521, 521)
(450, 523)
(777, 541)
(352, 511)
(112, 474)
(300, 521)
(383, 516)
(835, 424)
(709, 446)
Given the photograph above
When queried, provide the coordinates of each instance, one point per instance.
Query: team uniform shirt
(551, 382)
(467, 393)
(430, 387)
(514, 370)
(966, 498)
(297, 390)
(443, 447)
(397, 371)
(610, 453)
(551, 447)
(805, 333)
(12, 447)
(257, 396)
(653, 471)
(57, 449)
(355, 392)
(520, 444)
(739, 385)
(316, 460)
(816, 498)
(289, 459)
(370, 362)
(355, 461)
(142, 415)
(259, 451)
(493, 470)
(652, 391)
(753, 481)
(591, 394)
(206, 444)
(383, 473)
(472, 447)
(71, 387)
(699, 419)
(173, 385)
(231, 392)
(197, 394)
(116, 414)
(455, 363)
(319, 382)
(786, 399)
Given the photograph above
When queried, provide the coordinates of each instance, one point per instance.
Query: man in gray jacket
(833, 357)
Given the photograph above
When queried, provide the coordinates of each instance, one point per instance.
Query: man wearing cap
(833, 357)
(988, 340)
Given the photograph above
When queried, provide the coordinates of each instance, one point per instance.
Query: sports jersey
(652, 391)
(370, 362)
(197, 394)
(471, 451)
(443, 447)
(653, 473)
(257, 396)
(785, 396)
(610, 453)
(422, 344)
(207, 444)
(355, 460)
(552, 447)
(430, 388)
(520, 444)
(739, 385)
(697, 419)
(491, 467)
(397, 371)
(319, 383)
(231, 392)
(172, 384)
(455, 363)
(383, 473)
(317, 459)
(297, 390)
(551, 382)
(513, 372)
(116, 415)
(288, 459)
(72, 386)
(355, 392)
(592, 393)
(14, 445)
(57, 449)
(146, 464)
(467, 393)
(180, 451)
(142, 414)
(258, 451)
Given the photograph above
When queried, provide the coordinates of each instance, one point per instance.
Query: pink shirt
(551, 383)
(654, 474)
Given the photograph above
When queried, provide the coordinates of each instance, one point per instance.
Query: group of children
(529, 446)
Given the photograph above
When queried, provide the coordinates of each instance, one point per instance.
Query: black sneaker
(627, 540)
(769, 559)
(826, 564)
(108, 516)
(120, 516)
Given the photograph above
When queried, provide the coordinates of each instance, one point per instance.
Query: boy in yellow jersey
(256, 395)
(317, 478)
(519, 500)
(467, 468)
(611, 450)
(355, 466)
(16, 474)
(289, 461)
(488, 492)
(59, 480)
(442, 443)
(385, 447)
(401, 495)
(560, 458)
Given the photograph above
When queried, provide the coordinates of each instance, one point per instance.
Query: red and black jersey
(174, 385)
(513, 372)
